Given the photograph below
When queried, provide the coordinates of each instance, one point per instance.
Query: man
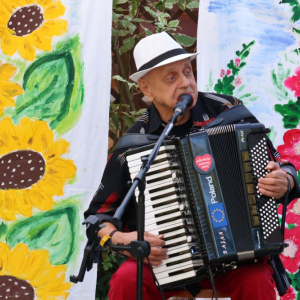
(164, 73)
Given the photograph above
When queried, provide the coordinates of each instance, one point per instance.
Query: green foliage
(53, 230)
(226, 84)
(3, 229)
(53, 88)
(296, 9)
(132, 20)
(290, 113)
(106, 269)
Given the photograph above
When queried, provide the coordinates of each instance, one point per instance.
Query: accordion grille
(224, 147)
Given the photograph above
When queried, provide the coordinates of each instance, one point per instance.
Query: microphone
(184, 101)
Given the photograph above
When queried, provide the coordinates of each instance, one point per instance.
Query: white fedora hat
(157, 50)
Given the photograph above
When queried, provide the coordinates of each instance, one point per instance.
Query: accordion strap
(230, 116)
(135, 140)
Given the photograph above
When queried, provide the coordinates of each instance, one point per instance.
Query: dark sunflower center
(26, 19)
(21, 169)
(14, 288)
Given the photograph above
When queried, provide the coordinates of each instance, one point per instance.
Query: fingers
(272, 165)
(157, 255)
(275, 182)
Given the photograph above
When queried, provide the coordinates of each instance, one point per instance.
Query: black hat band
(158, 59)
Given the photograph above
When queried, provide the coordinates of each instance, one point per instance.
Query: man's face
(164, 85)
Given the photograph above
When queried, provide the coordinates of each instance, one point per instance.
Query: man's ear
(144, 87)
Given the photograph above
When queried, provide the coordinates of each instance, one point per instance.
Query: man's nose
(184, 81)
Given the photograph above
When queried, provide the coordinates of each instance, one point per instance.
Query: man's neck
(180, 120)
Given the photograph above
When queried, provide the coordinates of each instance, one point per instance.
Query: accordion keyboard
(167, 214)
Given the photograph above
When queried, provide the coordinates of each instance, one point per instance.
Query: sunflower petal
(9, 43)
(24, 204)
(6, 101)
(7, 206)
(4, 255)
(8, 139)
(63, 168)
(58, 148)
(55, 276)
(39, 198)
(25, 131)
(42, 137)
(38, 263)
(53, 27)
(26, 50)
(54, 10)
(18, 260)
(52, 185)
(41, 42)
(7, 71)
(10, 89)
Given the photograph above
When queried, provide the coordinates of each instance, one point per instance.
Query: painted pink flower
(222, 74)
(290, 151)
(237, 62)
(238, 81)
(293, 83)
(292, 212)
(228, 72)
(291, 255)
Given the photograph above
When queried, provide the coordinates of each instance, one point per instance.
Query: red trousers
(248, 282)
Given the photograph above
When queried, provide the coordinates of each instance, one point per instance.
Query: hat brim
(136, 76)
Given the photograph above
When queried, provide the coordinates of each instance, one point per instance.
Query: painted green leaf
(296, 15)
(3, 229)
(290, 113)
(184, 40)
(290, 2)
(53, 87)
(53, 230)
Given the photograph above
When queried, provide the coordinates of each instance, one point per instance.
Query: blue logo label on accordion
(218, 216)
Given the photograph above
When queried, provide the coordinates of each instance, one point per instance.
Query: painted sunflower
(28, 275)
(32, 170)
(8, 89)
(29, 24)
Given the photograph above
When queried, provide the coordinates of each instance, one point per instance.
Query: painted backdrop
(54, 101)
(251, 49)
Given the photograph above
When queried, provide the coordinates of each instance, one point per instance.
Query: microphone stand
(139, 181)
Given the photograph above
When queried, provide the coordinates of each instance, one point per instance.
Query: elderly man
(164, 73)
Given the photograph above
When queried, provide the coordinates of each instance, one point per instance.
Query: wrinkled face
(164, 85)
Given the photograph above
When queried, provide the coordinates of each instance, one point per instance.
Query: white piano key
(160, 202)
(164, 226)
(164, 218)
(159, 158)
(164, 209)
(160, 271)
(166, 148)
(177, 240)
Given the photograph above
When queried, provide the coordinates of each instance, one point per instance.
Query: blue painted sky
(262, 21)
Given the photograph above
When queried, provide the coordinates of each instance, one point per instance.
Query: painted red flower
(290, 295)
(290, 151)
(293, 83)
(291, 254)
(292, 212)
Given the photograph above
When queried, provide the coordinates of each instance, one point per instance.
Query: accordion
(201, 194)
